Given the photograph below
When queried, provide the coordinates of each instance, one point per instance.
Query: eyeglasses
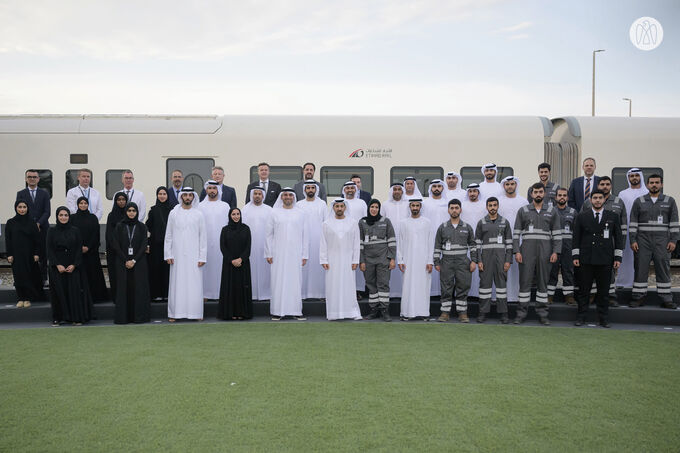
(32, 177)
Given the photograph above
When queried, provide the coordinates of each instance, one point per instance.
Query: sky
(351, 57)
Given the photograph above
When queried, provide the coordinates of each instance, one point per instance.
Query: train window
(287, 176)
(474, 174)
(195, 170)
(72, 179)
(78, 158)
(45, 181)
(114, 182)
(334, 178)
(423, 176)
(620, 181)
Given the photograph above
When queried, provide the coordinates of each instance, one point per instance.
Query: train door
(196, 170)
(563, 159)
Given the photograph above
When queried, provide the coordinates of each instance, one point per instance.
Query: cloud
(519, 36)
(516, 27)
(211, 29)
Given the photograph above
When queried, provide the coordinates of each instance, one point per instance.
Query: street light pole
(630, 106)
(593, 103)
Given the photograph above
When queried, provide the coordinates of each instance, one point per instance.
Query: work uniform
(616, 205)
(550, 193)
(494, 243)
(451, 247)
(565, 263)
(377, 247)
(653, 225)
(541, 236)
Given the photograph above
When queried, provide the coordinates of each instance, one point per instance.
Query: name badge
(375, 238)
(447, 246)
(606, 233)
(499, 239)
(130, 251)
(659, 219)
(366, 238)
(566, 228)
(531, 228)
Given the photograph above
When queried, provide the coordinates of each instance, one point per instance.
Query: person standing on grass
(415, 259)
(256, 215)
(339, 257)
(88, 225)
(129, 244)
(315, 213)
(597, 250)
(286, 249)
(236, 298)
(115, 216)
(69, 294)
(216, 215)
(22, 242)
(186, 248)
(156, 223)
(566, 263)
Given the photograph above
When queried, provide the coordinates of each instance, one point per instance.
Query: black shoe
(635, 303)
(481, 319)
(372, 315)
(605, 324)
(518, 320)
(669, 305)
(613, 302)
(505, 319)
(386, 316)
(544, 320)
(579, 322)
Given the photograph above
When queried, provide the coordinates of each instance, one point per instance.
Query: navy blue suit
(172, 198)
(39, 210)
(576, 189)
(366, 196)
(228, 195)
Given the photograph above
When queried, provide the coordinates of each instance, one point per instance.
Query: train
(381, 149)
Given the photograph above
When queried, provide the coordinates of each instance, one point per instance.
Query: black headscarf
(127, 220)
(80, 214)
(25, 219)
(164, 205)
(60, 225)
(235, 226)
(117, 213)
(371, 219)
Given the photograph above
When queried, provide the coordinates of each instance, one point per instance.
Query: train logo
(646, 33)
(357, 153)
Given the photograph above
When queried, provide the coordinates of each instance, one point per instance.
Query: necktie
(586, 194)
(597, 218)
(264, 184)
(33, 194)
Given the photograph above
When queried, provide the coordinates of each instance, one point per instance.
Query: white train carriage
(379, 149)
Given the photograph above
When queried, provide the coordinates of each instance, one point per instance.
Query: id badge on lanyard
(499, 239)
(130, 236)
(606, 232)
(531, 228)
(447, 246)
(659, 219)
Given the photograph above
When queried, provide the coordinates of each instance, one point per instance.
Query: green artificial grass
(338, 387)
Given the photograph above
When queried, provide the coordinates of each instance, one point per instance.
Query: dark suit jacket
(40, 209)
(273, 191)
(589, 244)
(576, 189)
(366, 196)
(228, 195)
(172, 198)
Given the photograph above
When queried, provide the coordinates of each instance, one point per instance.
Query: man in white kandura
(356, 210)
(395, 209)
(134, 195)
(415, 256)
(83, 189)
(411, 189)
(636, 189)
(315, 212)
(508, 205)
(186, 247)
(474, 210)
(435, 208)
(216, 215)
(287, 250)
(339, 256)
(256, 215)
(489, 187)
(453, 187)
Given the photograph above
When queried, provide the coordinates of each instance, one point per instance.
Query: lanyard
(130, 234)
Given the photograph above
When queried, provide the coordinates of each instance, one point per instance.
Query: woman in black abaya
(22, 241)
(116, 215)
(132, 271)
(69, 293)
(88, 225)
(159, 269)
(236, 300)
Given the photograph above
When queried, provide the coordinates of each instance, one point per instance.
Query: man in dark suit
(38, 201)
(597, 248)
(174, 190)
(366, 196)
(271, 188)
(226, 193)
(581, 187)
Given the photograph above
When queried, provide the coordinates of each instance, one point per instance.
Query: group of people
(287, 245)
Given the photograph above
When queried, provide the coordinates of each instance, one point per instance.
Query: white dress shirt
(93, 198)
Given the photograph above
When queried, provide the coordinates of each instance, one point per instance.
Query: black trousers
(600, 274)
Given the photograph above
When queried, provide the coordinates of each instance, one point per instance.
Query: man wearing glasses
(38, 202)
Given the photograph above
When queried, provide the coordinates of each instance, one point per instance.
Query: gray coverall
(451, 247)
(616, 205)
(566, 263)
(378, 246)
(541, 236)
(550, 193)
(494, 242)
(653, 226)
